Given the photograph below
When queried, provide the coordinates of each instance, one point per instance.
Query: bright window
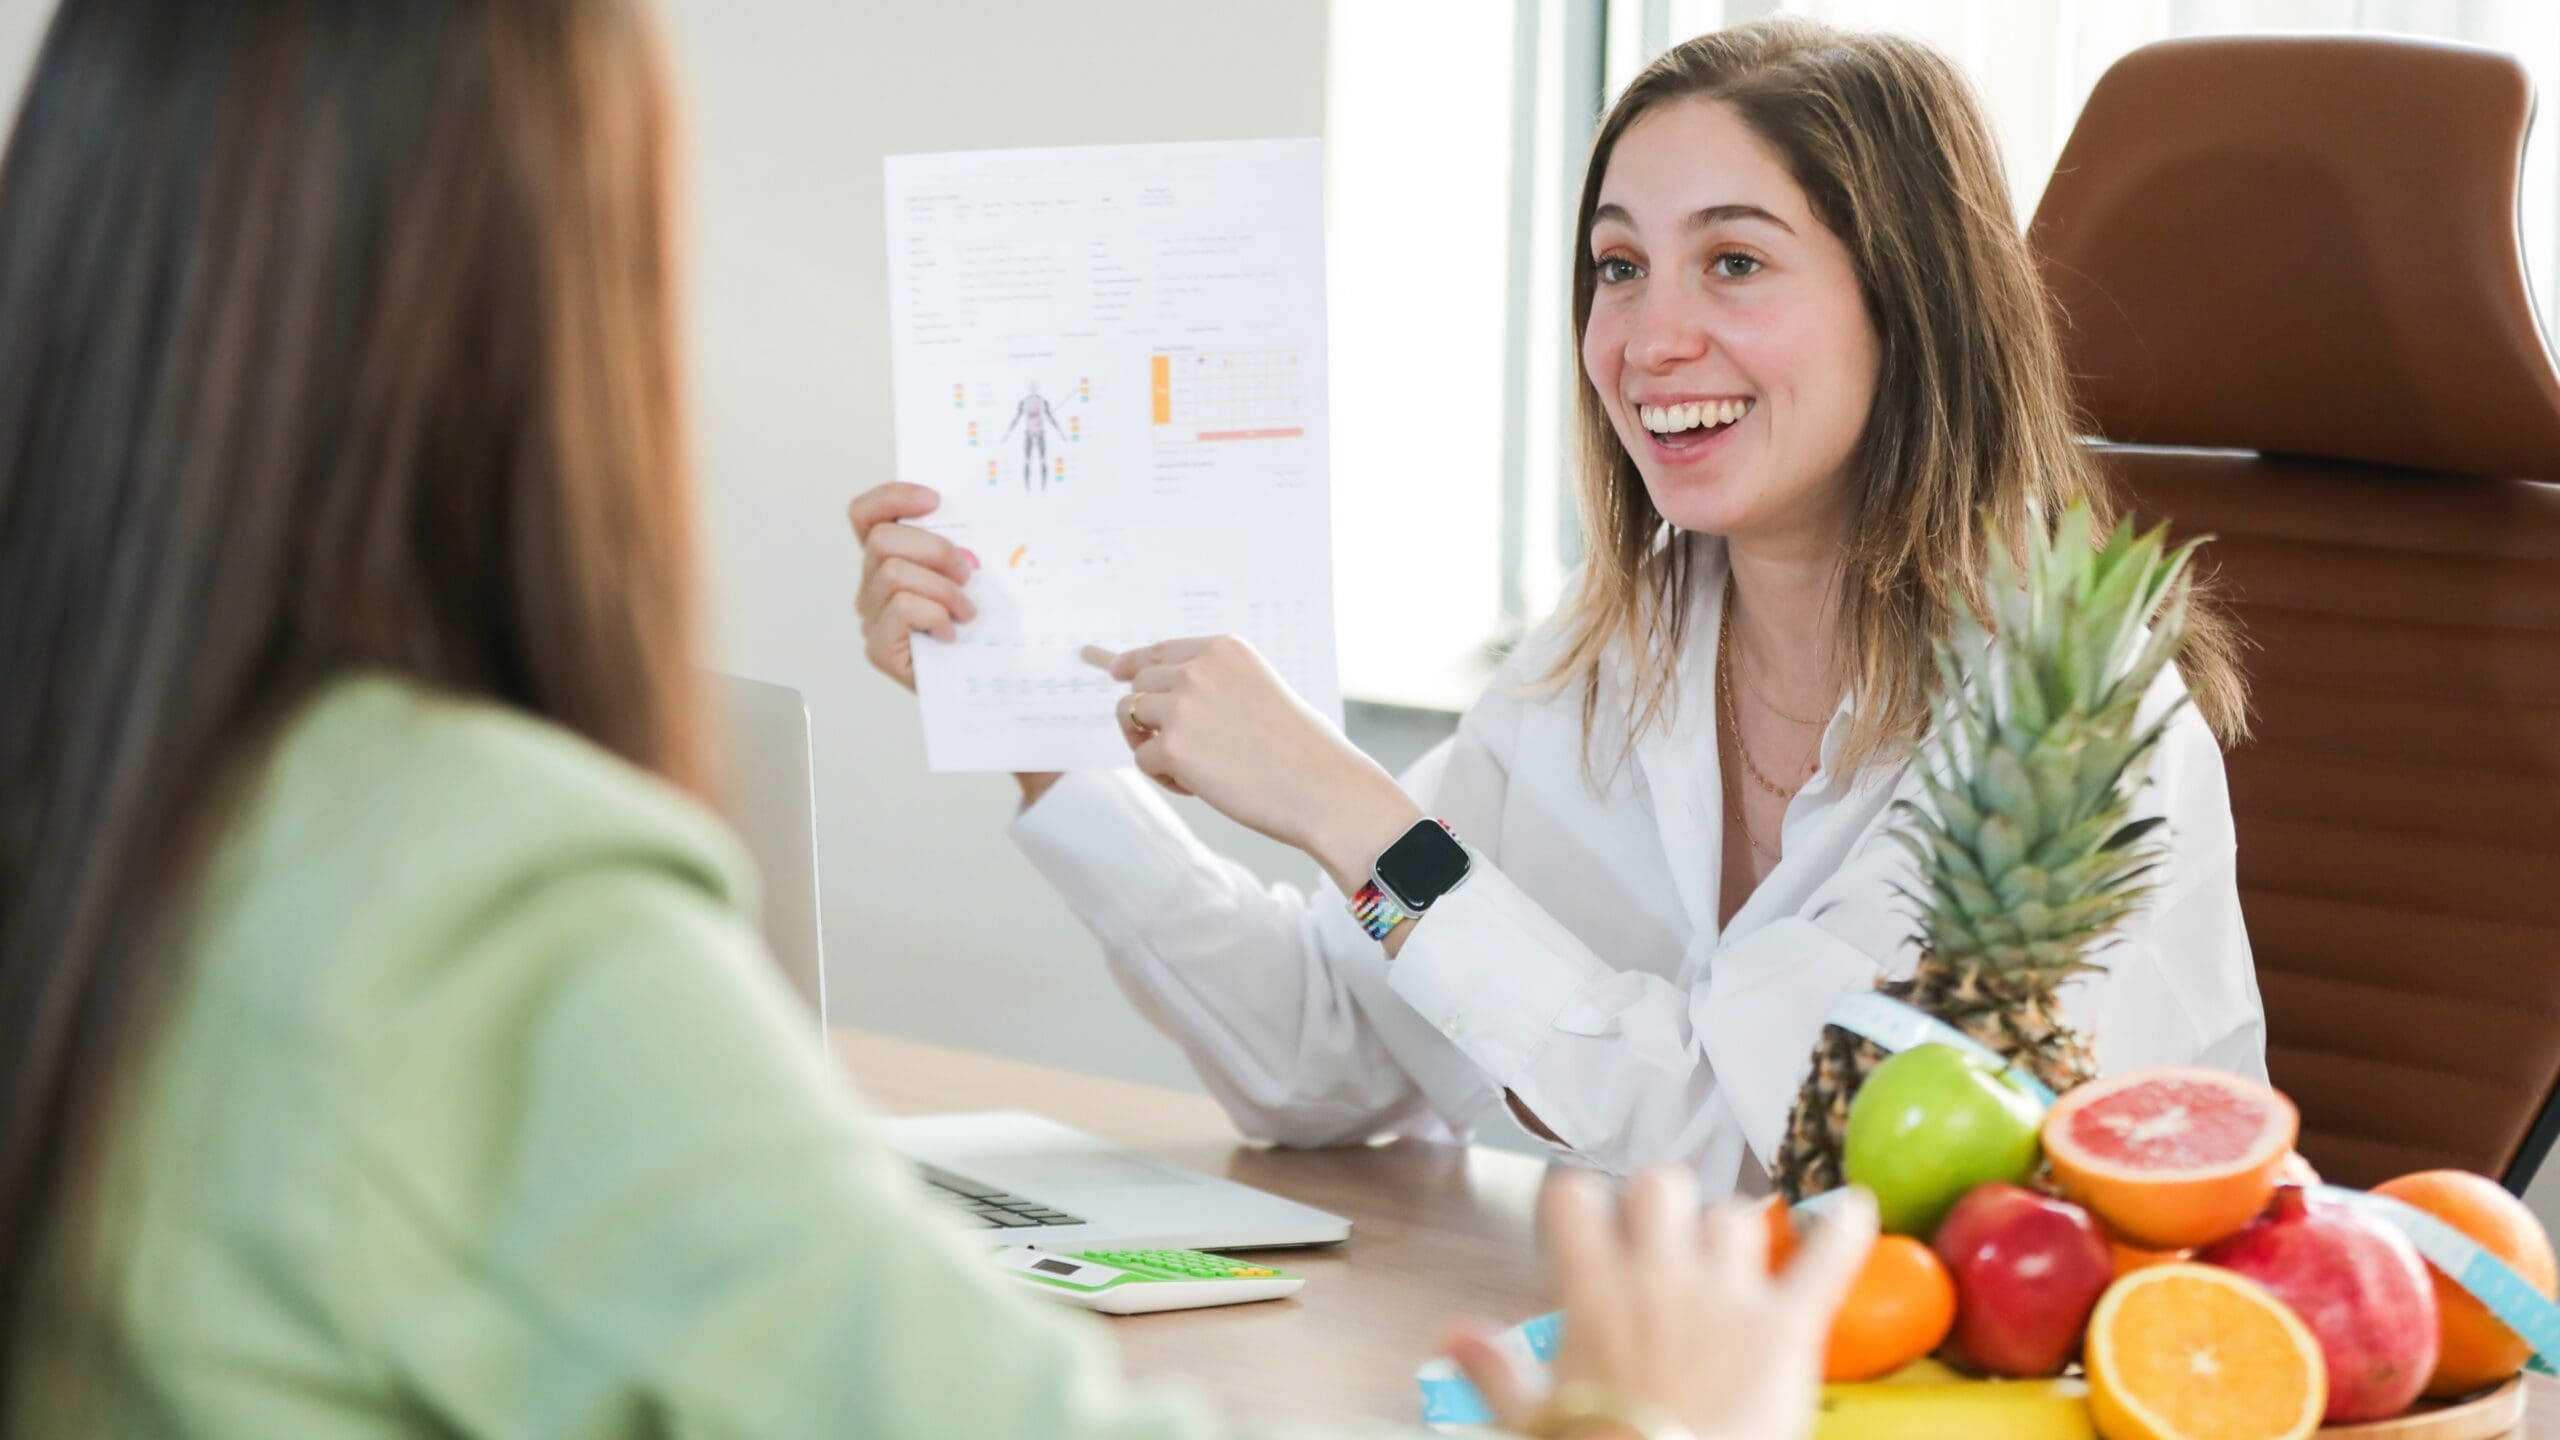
(1418, 150)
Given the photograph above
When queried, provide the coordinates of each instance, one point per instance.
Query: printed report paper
(1110, 362)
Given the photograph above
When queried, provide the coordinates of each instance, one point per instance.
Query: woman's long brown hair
(1971, 440)
(335, 335)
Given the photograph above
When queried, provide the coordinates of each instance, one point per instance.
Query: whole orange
(2475, 1350)
(1898, 1309)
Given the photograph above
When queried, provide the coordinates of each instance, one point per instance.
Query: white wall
(21, 26)
(935, 925)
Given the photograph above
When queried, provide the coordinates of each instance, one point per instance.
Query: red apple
(2028, 1269)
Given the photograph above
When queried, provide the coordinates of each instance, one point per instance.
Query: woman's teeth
(1672, 419)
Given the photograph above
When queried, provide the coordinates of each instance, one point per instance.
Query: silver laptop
(1018, 1178)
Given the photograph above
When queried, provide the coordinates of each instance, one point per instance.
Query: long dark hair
(334, 335)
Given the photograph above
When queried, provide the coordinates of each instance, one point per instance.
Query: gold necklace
(1733, 715)
(1756, 692)
(1742, 813)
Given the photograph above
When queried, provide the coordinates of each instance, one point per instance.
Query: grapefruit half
(2170, 1158)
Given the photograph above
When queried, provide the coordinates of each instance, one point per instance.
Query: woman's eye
(1736, 257)
(1616, 268)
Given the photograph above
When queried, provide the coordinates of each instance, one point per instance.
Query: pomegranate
(2360, 1287)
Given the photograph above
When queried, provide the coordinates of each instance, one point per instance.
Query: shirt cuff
(1110, 845)
(1762, 1012)
(1491, 970)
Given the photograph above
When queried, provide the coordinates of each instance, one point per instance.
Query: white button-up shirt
(1580, 965)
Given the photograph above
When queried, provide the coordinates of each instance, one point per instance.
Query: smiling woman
(1819, 394)
(1844, 252)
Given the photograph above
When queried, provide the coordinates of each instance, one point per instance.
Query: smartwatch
(1426, 862)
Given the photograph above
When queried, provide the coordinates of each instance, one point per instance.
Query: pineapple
(2025, 854)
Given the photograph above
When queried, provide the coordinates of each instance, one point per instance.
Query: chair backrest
(2293, 302)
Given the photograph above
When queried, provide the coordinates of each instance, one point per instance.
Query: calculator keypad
(1180, 1264)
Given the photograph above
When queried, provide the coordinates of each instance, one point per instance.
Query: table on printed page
(1438, 1232)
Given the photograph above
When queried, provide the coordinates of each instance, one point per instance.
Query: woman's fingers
(1134, 727)
(1587, 1257)
(884, 503)
(1158, 678)
(905, 577)
(1662, 1215)
(922, 547)
(1149, 705)
(1497, 1375)
(893, 657)
(906, 613)
(890, 647)
(1662, 1250)
(1156, 765)
(1733, 1251)
(1164, 652)
(1830, 1258)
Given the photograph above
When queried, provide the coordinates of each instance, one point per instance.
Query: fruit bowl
(2174, 1270)
(2481, 1417)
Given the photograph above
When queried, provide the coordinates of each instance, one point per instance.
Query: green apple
(1930, 1124)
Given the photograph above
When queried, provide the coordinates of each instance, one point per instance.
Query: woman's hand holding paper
(1208, 717)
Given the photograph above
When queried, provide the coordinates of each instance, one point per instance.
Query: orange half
(2189, 1352)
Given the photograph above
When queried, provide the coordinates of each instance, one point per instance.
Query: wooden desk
(1439, 1232)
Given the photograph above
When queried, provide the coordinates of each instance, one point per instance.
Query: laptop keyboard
(989, 1207)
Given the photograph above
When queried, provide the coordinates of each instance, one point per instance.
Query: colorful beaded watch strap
(1380, 913)
(1377, 911)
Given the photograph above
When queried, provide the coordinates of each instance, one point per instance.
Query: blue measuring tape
(2488, 1279)
(1448, 1398)
(1897, 1027)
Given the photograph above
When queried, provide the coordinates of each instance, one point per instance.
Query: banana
(1924, 1407)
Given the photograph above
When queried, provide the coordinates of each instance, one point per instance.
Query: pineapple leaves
(2054, 772)
(2029, 712)
(2023, 841)
(2008, 793)
(2133, 831)
(1999, 844)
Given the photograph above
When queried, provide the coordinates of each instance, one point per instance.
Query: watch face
(1422, 866)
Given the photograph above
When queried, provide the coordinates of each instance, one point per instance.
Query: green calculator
(1135, 1282)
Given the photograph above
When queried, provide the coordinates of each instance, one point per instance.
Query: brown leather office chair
(2293, 300)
